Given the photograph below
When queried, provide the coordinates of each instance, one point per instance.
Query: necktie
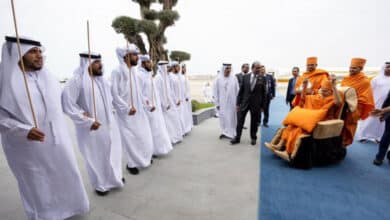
(253, 84)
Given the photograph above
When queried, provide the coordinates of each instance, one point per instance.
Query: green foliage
(198, 106)
(126, 25)
(153, 24)
(168, 17)
(148, 27)
(179, 56)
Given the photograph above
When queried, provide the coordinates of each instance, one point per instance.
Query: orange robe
(315, 78)
(366, 104)
(291, 133)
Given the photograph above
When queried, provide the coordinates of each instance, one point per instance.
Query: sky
(278, 33)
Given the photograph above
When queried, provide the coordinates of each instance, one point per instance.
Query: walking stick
(91, 74)
(22, 66)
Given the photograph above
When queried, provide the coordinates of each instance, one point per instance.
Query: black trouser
(384, 143)
(266, 111)
(255, 121)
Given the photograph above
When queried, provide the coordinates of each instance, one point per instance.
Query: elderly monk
(328, 100)
(361, 84)
(315, 77)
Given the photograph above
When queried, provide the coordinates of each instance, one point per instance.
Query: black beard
(97, 72)
(133, 62)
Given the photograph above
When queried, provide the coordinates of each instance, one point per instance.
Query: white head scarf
(221, 73)
(13, 95)
(82, 72)
(121, 52)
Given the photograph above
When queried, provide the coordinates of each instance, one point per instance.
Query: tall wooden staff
(22, 66)
(153, 97)
(91, 73)
(166, 88)
(130, 75)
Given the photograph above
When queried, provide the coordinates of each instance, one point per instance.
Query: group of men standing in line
(141, 114)
(235, 96)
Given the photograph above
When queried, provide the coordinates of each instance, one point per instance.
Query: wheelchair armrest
(328, 129)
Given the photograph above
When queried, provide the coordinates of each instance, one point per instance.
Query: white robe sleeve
(175, 90)
(144, 92)
(119, 104)
(11, 125)
(69, 98)
(216, 93)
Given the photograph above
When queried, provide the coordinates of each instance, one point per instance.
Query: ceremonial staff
(132, 110)
(22, 65)
(91, 74)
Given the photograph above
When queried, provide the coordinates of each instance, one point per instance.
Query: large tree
(152, 23)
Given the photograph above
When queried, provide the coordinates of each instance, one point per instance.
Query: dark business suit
(240, 76)
(252, 101)
(271, 86)
(385, 140)
(290, 94)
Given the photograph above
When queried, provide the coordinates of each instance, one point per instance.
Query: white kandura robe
(102, 148)
(48, 178)
(177, 95)
(225, 95)
(135, 129)
(372, 128)
(172, 121)
(161, 140)
(187, 106)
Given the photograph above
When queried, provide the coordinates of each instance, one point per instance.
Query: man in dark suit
(251, 97)
(290, 94)
(244, 71)
(271, 86)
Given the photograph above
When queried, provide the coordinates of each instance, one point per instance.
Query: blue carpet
(354, 189)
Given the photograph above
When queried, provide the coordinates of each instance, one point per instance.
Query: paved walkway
(202, 179)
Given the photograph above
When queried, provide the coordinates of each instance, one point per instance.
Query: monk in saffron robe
(327, 100)
(362, 85)
(315, 77)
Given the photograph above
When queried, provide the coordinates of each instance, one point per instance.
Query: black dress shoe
(265, 125)
(253, 142)
(377, 162)
(235, 141)
(132, 170)
(123, 180)
(154, 156)
(222, 136)
(101, 193)
(363, 140)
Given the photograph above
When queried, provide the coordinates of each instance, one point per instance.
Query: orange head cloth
(326, 84)
(359, 62)
(311, 60)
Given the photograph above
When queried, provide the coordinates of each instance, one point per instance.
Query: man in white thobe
(207, 93)
(98, 140)
(41, 157)
(163, 88)
(372, 128)
(161, 141)
(187, 106)
(177, 94)
(225, 95)
(132, 117)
